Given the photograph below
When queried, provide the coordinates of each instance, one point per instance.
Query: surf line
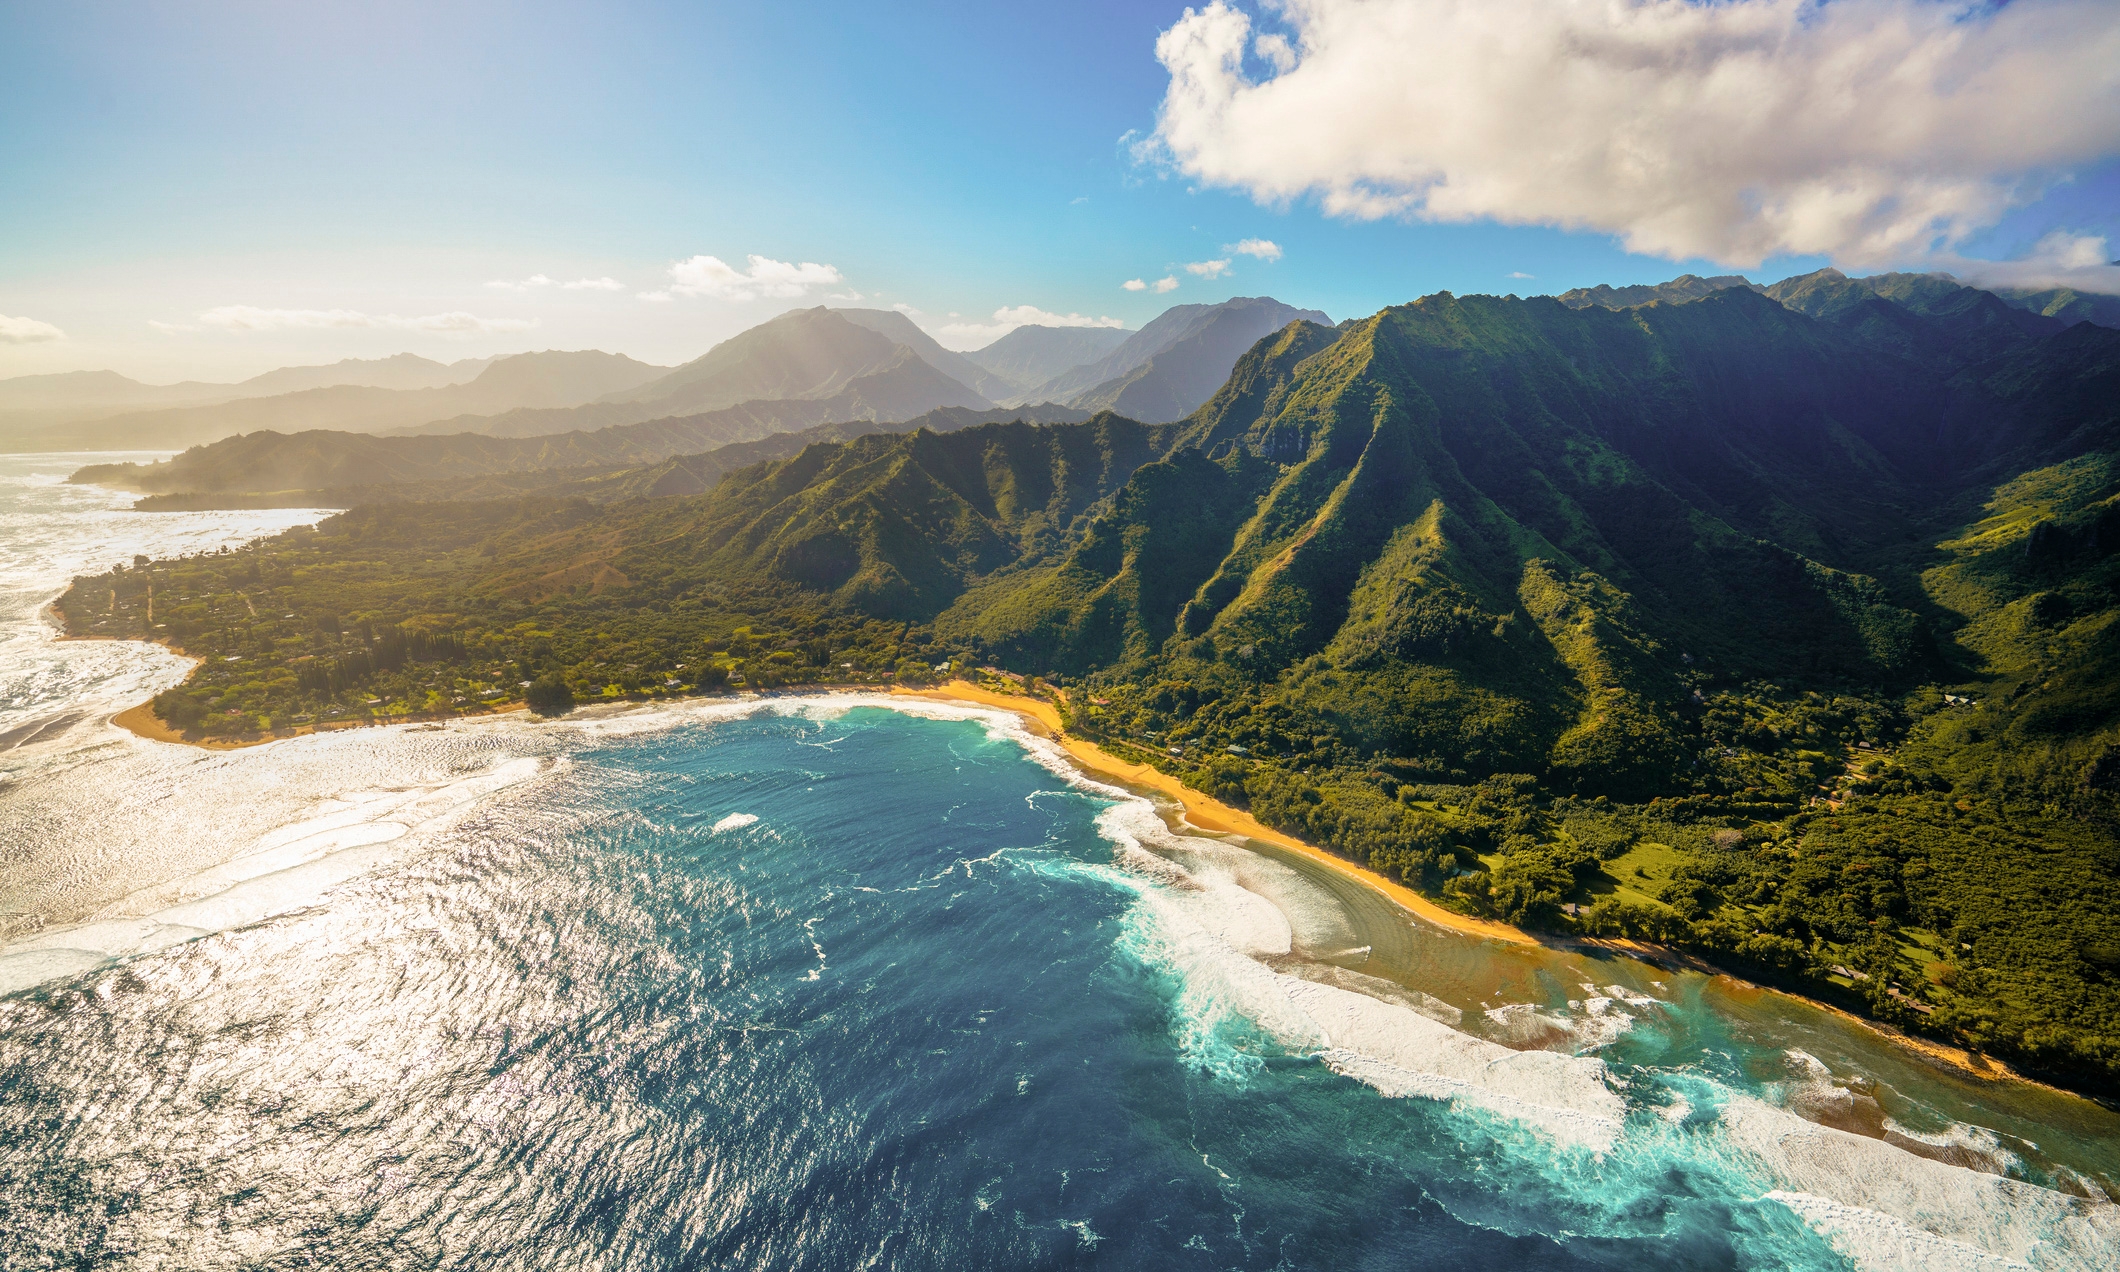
(1206, 813)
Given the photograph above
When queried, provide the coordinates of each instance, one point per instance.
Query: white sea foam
(1403, 1053)
(1245, 921)
(1880, 1243)
(1600, 1022)
(1638, 1001)
(1885, 1208)
(1962, 1143)
(734, 821)
(1212, 933)
(1377, 987)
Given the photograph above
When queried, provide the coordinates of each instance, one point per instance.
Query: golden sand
(1211, 814)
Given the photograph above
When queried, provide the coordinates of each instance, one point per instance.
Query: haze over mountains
(32, 404)
(1176, 361)
(802, 370)
(367, 396)
(1029, 356)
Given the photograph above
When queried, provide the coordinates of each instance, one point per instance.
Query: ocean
(836, 982)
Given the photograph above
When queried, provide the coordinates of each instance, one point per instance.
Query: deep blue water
(860, 991)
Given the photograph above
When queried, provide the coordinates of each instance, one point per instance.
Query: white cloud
(1263, 249)
(1870, 131)
(1134, 284)
(711, 276)
(1167, 283)
(2066, 250)
(1208, 269)
(908, 310)
(536, 281)
(2062, 259)
(978, 335)
(662, 297)
(1517, 273)
(457, 323)
(1032, 316)
(27, 331)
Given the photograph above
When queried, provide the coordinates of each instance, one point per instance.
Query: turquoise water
(833, 986)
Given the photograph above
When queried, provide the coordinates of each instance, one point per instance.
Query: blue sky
(160, 161)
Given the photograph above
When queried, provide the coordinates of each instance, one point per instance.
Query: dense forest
(1778, 627)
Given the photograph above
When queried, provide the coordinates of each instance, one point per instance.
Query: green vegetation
(1793, 640)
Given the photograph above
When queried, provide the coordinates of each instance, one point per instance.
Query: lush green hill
(598, 482)
(1786, 628)
(293, 467)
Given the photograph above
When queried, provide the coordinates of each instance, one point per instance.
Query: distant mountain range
(802, 370)
(861, 364)
(592, 412)
(1026, 358)
(1170, 367)
(2063, 304)
(327, 467)
(1190, 342)
(412, 390)
(32, 406)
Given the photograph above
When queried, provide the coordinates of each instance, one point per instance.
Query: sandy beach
(1207, 813)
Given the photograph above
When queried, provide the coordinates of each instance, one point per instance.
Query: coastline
(1207, 813)
(1203, 812)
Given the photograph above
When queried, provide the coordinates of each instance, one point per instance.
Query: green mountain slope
(1679, 290)
(903, 387)
(692, 474)
(2065, 303)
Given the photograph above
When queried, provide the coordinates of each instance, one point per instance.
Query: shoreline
(1206, 813)
(1202, 812)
